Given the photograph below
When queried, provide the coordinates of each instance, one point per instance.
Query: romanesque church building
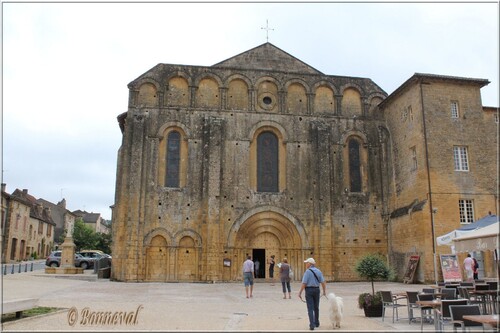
(262, 154)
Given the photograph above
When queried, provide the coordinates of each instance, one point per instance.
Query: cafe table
(484, 319)
(434, 304)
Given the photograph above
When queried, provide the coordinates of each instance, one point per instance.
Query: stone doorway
(157, 259)
(268, 231)
(259, 256)
(269, 244)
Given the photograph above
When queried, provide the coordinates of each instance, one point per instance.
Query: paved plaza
(186, 306)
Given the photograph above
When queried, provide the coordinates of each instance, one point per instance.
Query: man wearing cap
(311, 281)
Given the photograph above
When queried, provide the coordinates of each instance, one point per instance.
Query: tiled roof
(37, 210)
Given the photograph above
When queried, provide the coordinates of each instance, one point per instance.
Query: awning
(484, 239)
(448, 238)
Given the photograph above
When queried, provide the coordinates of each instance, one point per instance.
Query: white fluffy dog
(336, 309)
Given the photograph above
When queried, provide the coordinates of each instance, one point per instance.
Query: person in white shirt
(248, 269)
(469, 267)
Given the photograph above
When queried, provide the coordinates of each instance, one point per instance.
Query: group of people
(471, 267)
(312, 280)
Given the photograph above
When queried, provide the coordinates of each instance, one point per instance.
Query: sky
(66, 66)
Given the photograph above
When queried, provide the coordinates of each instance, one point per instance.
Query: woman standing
(285, 278)
(271, 269)
(475, 269)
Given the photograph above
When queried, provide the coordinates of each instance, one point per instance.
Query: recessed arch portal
(265, 231)
(268, 219)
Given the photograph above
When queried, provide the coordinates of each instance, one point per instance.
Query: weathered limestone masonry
(427, 193)
(261, 154)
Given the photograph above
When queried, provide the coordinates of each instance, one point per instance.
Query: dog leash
(319, 298)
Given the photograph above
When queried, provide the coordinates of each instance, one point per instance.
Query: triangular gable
(268, 57)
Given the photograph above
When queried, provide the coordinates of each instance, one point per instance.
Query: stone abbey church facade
(262, 154)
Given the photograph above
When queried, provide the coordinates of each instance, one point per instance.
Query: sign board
(451, 268)
(411, 269)
(226, 262)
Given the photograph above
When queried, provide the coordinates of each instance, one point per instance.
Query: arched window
(267, 162)
(354, 166)
(173, 159)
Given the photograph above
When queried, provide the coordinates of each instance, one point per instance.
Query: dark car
(54, 260)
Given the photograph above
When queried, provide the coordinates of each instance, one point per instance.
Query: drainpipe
(431, 209)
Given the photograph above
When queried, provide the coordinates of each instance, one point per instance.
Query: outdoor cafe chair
(389, 301)
(493, 285)
(457, 313)
(444, 314)
(428, 290)
(494, 297)
(411, 303)
(483, 299)
(449, 293)
(462, 292)
(425, 311)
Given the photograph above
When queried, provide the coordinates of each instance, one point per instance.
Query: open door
(259, 259)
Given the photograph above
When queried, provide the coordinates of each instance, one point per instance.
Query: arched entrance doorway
(157, 259)
(187, 260)
(267, 231)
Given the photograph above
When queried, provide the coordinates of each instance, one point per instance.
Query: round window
(267, 101)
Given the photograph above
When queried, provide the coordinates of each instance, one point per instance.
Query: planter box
(373, 311)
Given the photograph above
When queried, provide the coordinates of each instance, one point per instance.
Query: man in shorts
(248, 275)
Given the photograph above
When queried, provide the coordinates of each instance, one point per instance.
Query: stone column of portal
(212, 178)
(322, 203)
(131, 250)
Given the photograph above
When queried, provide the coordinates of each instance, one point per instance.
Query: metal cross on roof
(267, 30)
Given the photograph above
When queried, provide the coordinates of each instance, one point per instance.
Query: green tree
(84, 236)
(373, 267)
(104, 242)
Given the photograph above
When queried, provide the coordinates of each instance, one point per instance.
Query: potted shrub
(372, 267)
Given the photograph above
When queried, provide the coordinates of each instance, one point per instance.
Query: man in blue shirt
(311, 281)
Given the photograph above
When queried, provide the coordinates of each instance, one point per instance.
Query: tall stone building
(262, 154)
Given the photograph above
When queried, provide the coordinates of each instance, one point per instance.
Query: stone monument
(67, 265)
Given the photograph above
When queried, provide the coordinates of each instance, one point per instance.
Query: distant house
(94, 220)
(60, 215)
(27, 227)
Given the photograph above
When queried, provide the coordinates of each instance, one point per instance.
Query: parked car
(54, 260)
(96, 254)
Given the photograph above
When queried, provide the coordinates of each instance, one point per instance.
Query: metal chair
(389, 301)
(425, 311)
(449, 293)
(494, 297)
(462, 292)
(483, 299)
(444, 314)
(411, 303)
(493, 285)
(428, 290)
(457, 313)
